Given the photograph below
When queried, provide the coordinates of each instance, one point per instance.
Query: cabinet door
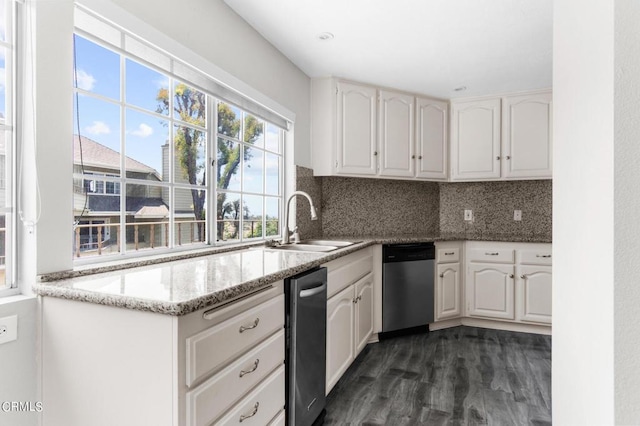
(356, 129)
(396, 134)
(534, 293)
(526, 136)
(431, 139)
(364, 312)
(475, 140)
(491, 291)
(448, 291)
(340, 326)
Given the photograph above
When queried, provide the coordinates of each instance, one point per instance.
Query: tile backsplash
(384, 207)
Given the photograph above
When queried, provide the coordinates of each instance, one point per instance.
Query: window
(147, 164)
(7, 144)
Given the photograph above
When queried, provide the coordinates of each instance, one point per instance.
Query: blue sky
(98, 71)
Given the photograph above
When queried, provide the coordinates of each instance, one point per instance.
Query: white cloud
(85, 80)
(144, 130)
(98, 128)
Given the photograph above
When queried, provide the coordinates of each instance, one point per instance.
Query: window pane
(146, 214)
(229, 120)
(190, 155)
(3, 83)
(99, 147)
(97, 68)
(273, 138)
(252, 215)
(253, 170)
(147, 148)
(272, 174)
(3, 20)
(227, 165)
(228, 220)
(3, 249)
(253, 131)
(190, 213)
(189, 105)
(146, 88)
(272, 212)
(97, 236)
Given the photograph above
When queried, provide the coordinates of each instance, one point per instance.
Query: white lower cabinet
(491, 291)
(534, 283)
(221, 365)
(447, 291)
(363, 312)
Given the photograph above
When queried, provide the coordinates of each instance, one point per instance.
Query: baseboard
(441, 325)
(495, 325)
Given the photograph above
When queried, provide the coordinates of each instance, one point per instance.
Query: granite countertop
(192, 281)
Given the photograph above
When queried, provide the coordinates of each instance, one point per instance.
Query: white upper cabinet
(396, 138)
(431, 138)
(526, 136)
(475, 140)
(356, 129)
(502, 138)
(363, 131)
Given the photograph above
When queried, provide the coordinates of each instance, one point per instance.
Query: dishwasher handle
(313, 290)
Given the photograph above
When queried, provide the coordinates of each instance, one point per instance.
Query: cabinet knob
(498, 157)
(441, 275)
(375, 152)
(413, 157)
(420, 157)
(508, 157)
(523, 276)
(510, 275)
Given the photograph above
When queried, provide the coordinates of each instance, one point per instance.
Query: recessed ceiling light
(325, 36)
(460, 89)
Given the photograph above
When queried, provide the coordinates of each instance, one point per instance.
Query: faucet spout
(314, 215)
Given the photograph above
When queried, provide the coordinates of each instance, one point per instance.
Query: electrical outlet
(468, 215)
(8, 329)
(517, 215)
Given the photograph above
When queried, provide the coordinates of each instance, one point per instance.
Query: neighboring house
(97, 202)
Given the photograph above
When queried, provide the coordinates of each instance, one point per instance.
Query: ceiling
(424, 46)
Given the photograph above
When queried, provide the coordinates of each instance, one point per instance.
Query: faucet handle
(295, 235)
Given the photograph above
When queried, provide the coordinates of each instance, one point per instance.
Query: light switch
(8, 329)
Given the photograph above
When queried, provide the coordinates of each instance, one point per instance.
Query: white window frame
(202, 80)
(11, 283)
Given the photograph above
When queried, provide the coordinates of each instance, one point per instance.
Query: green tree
(190, 105)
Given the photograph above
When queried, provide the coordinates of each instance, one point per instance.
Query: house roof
(141, 207)
(94, 154)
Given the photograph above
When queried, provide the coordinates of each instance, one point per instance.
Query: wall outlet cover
(8, 329)
(517, 215)
(468, 215)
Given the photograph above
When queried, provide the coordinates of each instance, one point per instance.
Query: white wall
(627, 205)
(596, 83)
(19, 370)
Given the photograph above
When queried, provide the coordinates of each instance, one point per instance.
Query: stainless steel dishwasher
(407, 285)
(306, 324)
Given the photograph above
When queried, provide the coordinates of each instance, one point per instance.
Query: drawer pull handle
(543, 255)
(449, 253)
(244, 328)
(252, 369)
(492, 254)
(253, 413)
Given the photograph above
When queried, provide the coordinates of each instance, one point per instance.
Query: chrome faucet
(314, 216)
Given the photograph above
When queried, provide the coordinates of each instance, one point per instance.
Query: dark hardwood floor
(457, 376)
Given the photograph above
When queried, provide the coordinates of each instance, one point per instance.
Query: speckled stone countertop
(193, 281)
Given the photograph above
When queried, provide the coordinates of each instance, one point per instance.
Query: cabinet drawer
(347, 270)
(491, 255)
(210, 349)
(535, 257)
(261, 405)
(279, 420)
(446, 255)
(213, 397)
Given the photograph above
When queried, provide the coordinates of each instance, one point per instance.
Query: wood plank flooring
(456, 376)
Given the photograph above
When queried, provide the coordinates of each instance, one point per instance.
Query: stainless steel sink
(314, 245)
